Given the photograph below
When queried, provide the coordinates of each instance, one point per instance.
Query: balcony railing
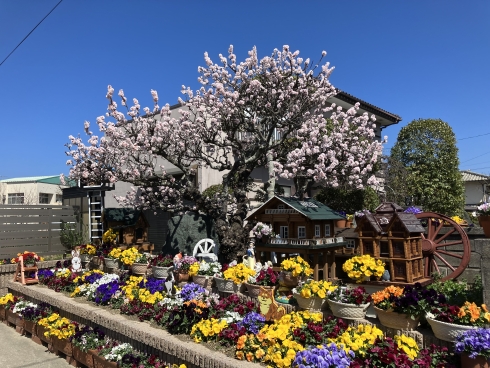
(296, 241)
(275, 211)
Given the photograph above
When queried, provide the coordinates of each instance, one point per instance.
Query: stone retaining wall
(139, 334)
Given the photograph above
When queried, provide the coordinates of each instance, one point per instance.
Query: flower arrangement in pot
(87, 251)
(349, 303)
(182, 267)
(233, 275)
(203, 272)
(265, 277)
(401, 308)
(474, 347)
(483, 213)
(140, 264)
(59, 329)
(311, 294)
(361, 268)
(32, 313)
(111, 259)
(448, 321)
(109, 237)
(294, 270)
(260, 230)
(29, 258)
(85, 339)
(161, 266)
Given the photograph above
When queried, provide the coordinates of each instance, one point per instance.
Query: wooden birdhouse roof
(409, 221)
(370, 220)
(125, 216)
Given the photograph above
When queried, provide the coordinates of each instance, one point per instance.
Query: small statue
(76, 262)
(386, 276)
(249, 258)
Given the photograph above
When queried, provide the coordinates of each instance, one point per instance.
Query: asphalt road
(18, 351)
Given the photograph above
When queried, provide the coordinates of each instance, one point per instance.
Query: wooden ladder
(21, 270)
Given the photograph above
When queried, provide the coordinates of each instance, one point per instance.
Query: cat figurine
(268, 306)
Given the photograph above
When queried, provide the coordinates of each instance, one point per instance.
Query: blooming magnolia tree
(269, 112)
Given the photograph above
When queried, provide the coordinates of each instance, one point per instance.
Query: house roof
(308, 207)
(410, 222)
(127, 216)
(50, 179)
(472, 176)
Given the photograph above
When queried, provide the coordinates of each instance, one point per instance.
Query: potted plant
(6, 302)
(204, 273)
(234, 275)
(59, 329)
(401, 308)
(294, 270)
(87, 251)
(29, 258)
(483, 213)
(182, 266)
(448, 321)
(261, 230)
(311, 295)
(349, 303)
(85, 339)
(111, 259)
(140, 264)
(32, 313)
(266, 277)
(361, 268)
(474, 347)
(161, 266)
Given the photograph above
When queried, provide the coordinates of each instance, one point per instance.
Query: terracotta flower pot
(484, 221)
(478, 362)
(82, 357)
(341, 223)
(396, 320)
(181, 277)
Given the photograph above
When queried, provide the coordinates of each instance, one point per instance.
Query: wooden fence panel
(33, 228)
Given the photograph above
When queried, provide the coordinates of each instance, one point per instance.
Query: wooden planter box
(30, 327)
(82, 357)
(3, 314)
(100, 362)
(13, 319)
(62, 346)
(40, 330)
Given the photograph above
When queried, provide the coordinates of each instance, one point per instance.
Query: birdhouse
(394, 237)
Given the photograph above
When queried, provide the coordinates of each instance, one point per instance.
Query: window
(43, 198)
(317, 231)
(301, 232)
(284, 232)
(351, 243)
(327, 230)
(280, 207)
(59, 198)
(16, 198)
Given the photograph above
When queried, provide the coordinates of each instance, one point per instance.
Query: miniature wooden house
(394, 237)
(298, 221)
(130, 225)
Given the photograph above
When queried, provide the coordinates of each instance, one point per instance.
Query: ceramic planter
(139, 268)
(161, 272)
(111, 263)
(313, 304)
(226, 286)
(202, 280)
(447, 331)
(399, 321)
(348, 311)
(287, 279)
(254, 290)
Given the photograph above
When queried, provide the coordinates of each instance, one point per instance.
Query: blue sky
(417, 59)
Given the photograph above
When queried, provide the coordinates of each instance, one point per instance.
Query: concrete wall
(474, 192)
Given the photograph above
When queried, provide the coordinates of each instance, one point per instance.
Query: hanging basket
(202, 280)
(447, 331)
(139, 268)
(161, 272)
(226, 286)
(399, 321)
(254, 290)
(348, 311)
(313, 304)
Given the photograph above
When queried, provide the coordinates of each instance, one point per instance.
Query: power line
(483, 154)
(475, 136)
(20, 43)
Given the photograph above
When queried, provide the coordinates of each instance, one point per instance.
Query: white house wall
(474, 193)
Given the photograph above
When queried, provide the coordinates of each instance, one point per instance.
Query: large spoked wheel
(444, 243)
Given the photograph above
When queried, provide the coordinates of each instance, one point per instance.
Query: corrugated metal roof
(472, 176)
(29, 179)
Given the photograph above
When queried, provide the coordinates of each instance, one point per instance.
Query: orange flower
(461, 313)
(240, 355)
(259, 354)
(250, 356)
(241, 342)
(484, 307)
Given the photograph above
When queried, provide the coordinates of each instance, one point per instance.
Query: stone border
(140, 335)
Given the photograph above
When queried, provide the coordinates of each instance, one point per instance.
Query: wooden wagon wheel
(436, 246)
